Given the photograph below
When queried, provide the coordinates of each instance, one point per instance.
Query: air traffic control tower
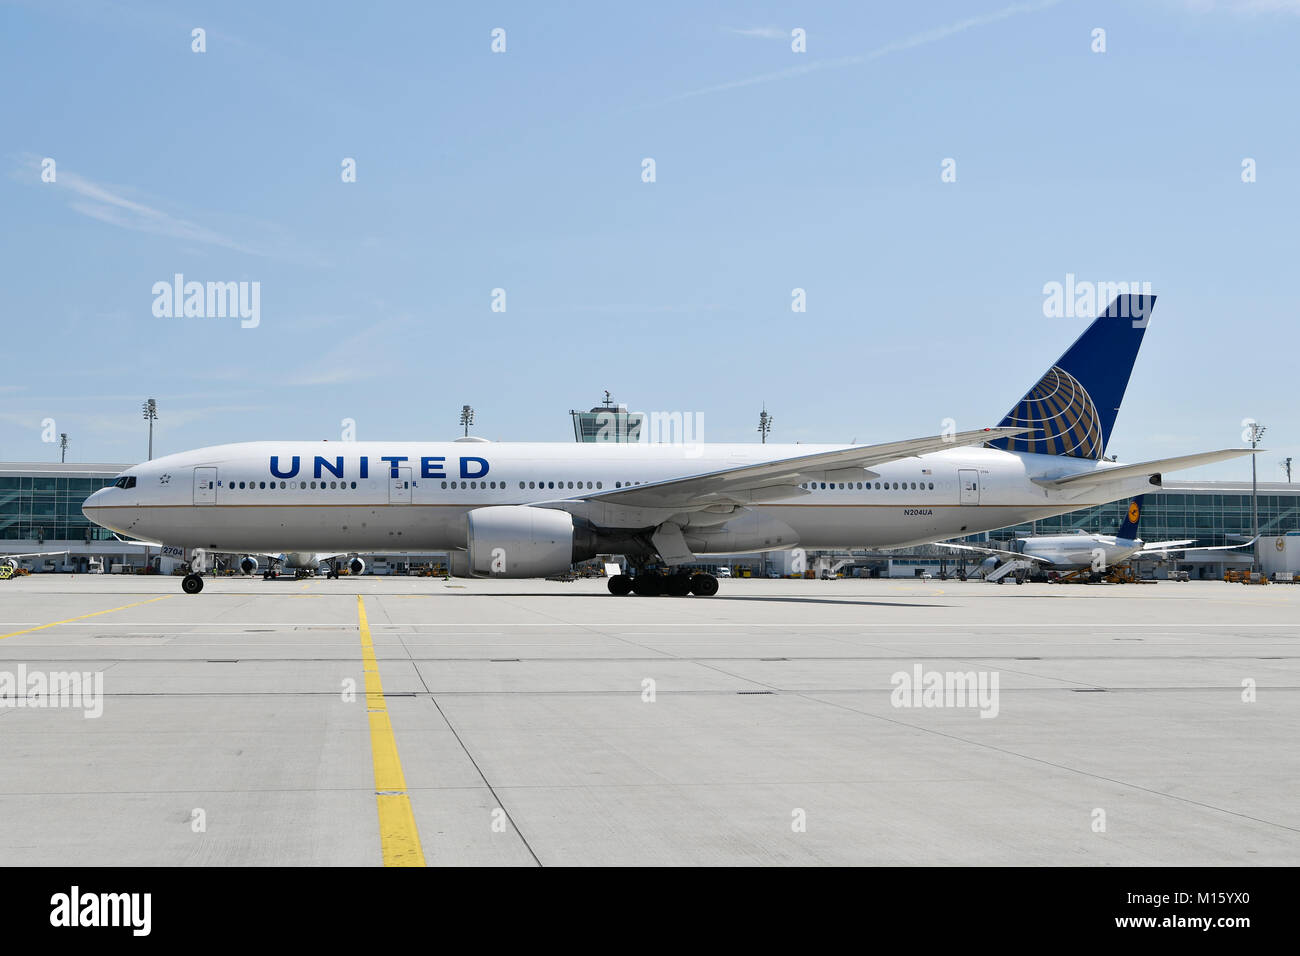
(607, 422)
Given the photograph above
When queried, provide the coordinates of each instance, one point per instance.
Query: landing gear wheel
(620, 585)
(191, 584)
(679, 585)
(704, 585)
(648, 585)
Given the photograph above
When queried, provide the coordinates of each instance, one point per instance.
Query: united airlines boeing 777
(520, 510)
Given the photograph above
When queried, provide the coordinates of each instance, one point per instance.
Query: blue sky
(522, 170)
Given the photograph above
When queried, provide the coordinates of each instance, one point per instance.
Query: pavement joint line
(81, 617)
(398, 835)
(469, 756)
(1007, 752)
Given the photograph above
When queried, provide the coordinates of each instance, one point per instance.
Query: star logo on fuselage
(163, 479)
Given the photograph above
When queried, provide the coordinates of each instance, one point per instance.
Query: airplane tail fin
(1074, 405)
(1129, 529)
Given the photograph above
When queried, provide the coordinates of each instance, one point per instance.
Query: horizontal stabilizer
(1105, 474)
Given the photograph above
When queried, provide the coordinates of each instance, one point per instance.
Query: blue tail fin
(1129, 529)
(1073, 406)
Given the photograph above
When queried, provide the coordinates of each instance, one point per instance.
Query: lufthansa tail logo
(1133, 512)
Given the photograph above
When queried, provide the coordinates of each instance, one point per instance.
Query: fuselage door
(399, 488)
(968, 480)
(205, 486)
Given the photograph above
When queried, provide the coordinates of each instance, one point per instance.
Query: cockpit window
(125, 481)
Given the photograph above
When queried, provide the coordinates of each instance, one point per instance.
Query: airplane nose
(90, 508)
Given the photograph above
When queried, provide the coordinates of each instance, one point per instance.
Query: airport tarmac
(531, 722)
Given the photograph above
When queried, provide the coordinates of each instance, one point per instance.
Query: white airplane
(1097, 552)
(523, 510)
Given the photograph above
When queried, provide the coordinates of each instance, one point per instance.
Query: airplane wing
(979, 550)
(769, 480)
(1174, 546)
(1166, 545)
(30, 554)
(1143, 469)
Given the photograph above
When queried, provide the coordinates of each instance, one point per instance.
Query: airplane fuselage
(404, 496)
(1068, 552)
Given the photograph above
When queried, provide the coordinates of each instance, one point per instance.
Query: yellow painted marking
(82, 617)
(397, 831)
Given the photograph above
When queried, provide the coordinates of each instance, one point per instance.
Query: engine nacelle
(356, 566)
(248, 564)
(515, 541)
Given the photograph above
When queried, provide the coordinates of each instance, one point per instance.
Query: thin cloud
(1247, 7)
(764, 33)
(839, 63)
(355, 359)
(109, 205)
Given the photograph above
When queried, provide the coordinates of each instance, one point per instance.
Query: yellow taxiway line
(397, 831)
(82, 617)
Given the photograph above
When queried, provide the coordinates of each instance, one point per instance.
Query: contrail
(919, 39)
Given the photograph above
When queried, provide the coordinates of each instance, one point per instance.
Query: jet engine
(356, 566)
(248, 564)
(515, 541)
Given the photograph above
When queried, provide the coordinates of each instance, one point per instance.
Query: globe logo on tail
(1063, 415)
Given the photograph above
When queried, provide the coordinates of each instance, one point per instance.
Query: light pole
(1286, 463)
(466, 418)
(150, 409)
(63, 447)
(1256, 435)
(764, 424)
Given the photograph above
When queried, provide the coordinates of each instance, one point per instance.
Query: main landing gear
(649, 584)
(192, 583)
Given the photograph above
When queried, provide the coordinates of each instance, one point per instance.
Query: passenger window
(600, 485)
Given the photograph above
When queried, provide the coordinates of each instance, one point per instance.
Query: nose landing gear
(192, 583)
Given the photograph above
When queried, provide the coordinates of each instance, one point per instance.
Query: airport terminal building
(40, 510)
